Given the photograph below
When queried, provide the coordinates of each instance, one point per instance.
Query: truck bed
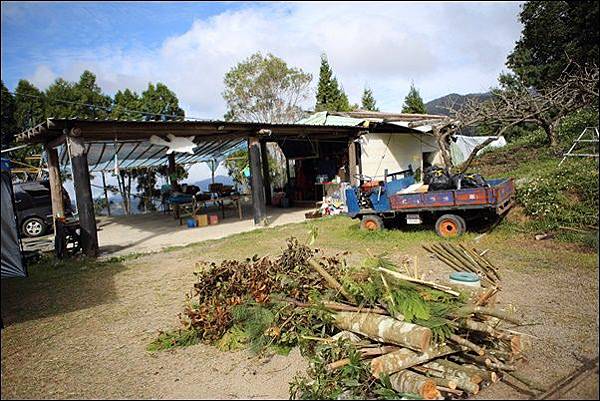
(499, 196)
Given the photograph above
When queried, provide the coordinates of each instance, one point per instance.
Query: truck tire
(33, 227)
(371, 222)
(450, 225)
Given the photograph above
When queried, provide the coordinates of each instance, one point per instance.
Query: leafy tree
(162, 102)
(9, 126)
(368, 100)
(554, 33)
(29, 105)
(125, 101)
(330, 96)
(413, 103)
(263, 88)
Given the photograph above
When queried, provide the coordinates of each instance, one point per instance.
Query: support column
(83, 193)
(352, 162)
(258, 193)
(172, 169)
(105, 194)
(264, 156)
(58, 207)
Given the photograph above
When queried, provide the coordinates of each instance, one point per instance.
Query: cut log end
(429, 390)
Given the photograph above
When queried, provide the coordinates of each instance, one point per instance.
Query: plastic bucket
(465, 278)
(191, 223)
(213, 219)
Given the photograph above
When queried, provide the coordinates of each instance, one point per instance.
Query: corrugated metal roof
(324, 118)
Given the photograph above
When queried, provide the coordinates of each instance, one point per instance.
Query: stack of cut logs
(478, 353)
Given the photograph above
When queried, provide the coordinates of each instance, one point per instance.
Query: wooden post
(83, 193)
(172, 169)
(105, 193)
(56, 190)
(258, 193)
(352, 162)
(264, 156)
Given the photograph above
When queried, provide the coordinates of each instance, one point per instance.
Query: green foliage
(565, 195)
(573, 125)
(254, 320)
(263, 88)
(123, 105)
(236, 162)
(171, 339)
(368, 100)
(9, 125)
(161, 100)
(554, 32)
(235, 339)
(413, 103)
(352, 381)
(330, 96)
(29, 105)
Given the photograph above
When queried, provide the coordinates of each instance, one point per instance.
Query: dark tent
(12, 255)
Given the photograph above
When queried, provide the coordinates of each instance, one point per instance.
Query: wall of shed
(397, 150)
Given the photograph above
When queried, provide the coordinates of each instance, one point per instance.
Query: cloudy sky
(442, 47)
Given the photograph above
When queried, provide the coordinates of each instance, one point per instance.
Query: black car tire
(33, 227)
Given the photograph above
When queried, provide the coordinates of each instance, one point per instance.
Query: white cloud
(43, 76)
(443, 47)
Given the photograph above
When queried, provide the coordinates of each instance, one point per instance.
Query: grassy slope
(529, 159)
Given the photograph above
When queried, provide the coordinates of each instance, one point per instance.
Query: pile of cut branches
(373, 331)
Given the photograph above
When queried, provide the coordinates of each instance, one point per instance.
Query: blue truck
(377, 203)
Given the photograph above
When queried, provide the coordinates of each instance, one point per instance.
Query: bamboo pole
(436, 286)
(332, 282)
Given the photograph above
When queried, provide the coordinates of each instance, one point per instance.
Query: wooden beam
(56, 194)
(57, 141)
(352, 163)
(264, 156)
(258, 193)
(83, 193)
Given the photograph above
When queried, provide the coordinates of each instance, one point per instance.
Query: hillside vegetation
(549, 197)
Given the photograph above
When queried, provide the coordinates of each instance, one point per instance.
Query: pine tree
(330, 97)
(160, 99)
(29, 105)
(123, 105)
(9, 126)
(413, 103)
(368, 100)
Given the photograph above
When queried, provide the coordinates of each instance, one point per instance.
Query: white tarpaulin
(462, 146)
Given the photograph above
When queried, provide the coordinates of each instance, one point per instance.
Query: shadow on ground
(58, 288)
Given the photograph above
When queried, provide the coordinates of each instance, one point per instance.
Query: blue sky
(444, 47)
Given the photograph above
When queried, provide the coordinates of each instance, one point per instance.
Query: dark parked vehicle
(34, 207)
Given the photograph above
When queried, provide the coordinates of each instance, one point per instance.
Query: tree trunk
(404, 359)
(385, 329)
(550, 131)
(411, 382)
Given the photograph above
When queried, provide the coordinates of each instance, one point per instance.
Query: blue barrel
(191, 223)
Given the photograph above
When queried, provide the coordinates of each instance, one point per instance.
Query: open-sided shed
(91, 145)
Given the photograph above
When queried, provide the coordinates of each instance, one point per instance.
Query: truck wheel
(371, 222)
(450, 225)
(33, 227)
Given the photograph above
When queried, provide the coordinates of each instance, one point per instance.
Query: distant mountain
(223, 179)
(437, 106)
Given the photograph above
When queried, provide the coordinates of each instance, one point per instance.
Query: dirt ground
(81, 330)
